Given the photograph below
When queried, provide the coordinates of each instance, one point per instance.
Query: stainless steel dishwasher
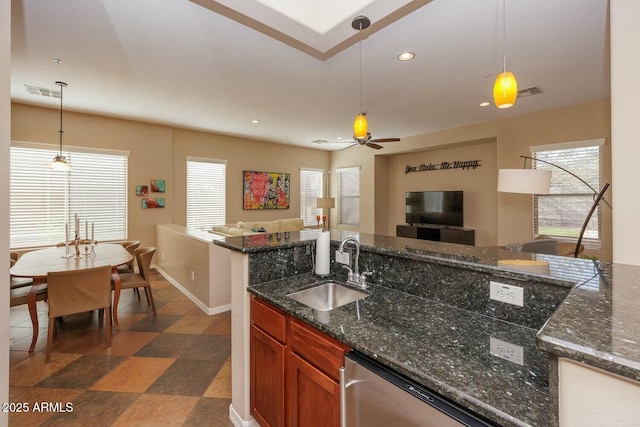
(372, 395)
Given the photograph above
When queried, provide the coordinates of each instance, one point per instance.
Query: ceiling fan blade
(372, 145)
(385, 140)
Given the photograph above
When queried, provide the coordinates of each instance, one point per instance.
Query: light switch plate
(506, 350)
(509, 294)
(342, 258)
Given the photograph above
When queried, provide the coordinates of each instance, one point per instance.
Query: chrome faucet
(354, 277)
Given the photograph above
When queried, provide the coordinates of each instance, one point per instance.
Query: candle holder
(92, 252)
(76, 242)
(66, 250)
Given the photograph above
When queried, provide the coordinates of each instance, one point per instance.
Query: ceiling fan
(361, 134)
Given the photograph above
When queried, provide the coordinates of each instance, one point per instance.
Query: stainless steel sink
(327, 296)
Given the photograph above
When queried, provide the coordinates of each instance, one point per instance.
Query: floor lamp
(538, 181)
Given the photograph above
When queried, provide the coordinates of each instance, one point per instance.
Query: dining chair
(141, 279)
(130, 246)
(79, 291)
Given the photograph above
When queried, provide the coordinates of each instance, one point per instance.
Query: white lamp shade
(527, 181)
(326, 202)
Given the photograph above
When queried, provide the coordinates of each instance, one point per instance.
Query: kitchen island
(428, 316)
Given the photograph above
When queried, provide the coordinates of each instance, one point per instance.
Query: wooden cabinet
(313, 397)
(268, 357)
(295, 371)
(463, 236)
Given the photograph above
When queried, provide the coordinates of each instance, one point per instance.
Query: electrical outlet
(506, 293)
(343, 258)
(506, 350)
(193, 276)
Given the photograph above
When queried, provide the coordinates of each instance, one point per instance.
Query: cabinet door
(313, 397)
(267, 379)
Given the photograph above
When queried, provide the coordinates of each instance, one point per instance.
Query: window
(310, 190)
(562, 212)
(206, 193)
(42, 200)
(349, 196)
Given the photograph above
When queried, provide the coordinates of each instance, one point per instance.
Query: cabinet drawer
(320, 350)
(269, 319)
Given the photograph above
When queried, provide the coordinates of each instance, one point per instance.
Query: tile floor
(173, 369)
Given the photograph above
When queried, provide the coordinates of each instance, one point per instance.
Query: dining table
(38, 263)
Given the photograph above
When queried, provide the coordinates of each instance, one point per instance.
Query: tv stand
(437, 233)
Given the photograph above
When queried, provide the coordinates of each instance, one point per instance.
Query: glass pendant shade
(505, 90)
(59, 163)
(360, 127)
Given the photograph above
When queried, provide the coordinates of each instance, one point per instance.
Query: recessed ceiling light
(484, 104)
(339, 138)
(406, 56)
(255, 121)
(57, 61)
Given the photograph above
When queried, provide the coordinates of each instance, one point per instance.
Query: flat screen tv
(434, 207)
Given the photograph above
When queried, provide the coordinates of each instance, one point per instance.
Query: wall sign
(456, 164)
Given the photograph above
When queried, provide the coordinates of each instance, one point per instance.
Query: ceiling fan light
(360, 127)
(505, 90)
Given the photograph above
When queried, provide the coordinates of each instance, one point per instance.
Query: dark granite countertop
(597, 324)
(442, 347)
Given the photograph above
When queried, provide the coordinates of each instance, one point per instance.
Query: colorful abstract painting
(157, 185)
(142, 190)
(152, 203)
(265, 190)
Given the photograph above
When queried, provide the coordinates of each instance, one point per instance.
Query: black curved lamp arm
(586, 220)
(595, 192)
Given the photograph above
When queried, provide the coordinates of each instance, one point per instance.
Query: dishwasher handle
(343, 398)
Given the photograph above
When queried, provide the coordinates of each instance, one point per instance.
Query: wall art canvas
(152, 203)
(142, 190)
(265, 190)
(157, 185)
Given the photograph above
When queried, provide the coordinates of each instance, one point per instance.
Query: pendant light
(505, 89)
(360, 127)
(59, 161)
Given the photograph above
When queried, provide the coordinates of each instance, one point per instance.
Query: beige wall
(479, 185)
(513, 138)
(625, 104)
(159, 152)
(242, 154)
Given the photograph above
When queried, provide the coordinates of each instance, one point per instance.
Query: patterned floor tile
(34, 370)
(134, 375)
(125, 343)
(188, 346)
(42, 404)
(212, 412)
(94, 408)
(170, 369)
(158, 410)
(83, 372)
(186, 378)
(221, 384)
(154, 323)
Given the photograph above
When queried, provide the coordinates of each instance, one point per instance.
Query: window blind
(349, 196)
(206, 193)
(310, 190)
(42, 200)
(562, 212)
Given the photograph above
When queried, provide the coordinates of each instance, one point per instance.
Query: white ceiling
(199, 64)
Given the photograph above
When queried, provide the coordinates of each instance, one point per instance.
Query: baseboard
(208, 310)
(239, 422)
